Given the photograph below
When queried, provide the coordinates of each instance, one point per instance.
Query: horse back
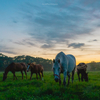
(24, 66)
(81, 67)
(16, 67)
(35, 68)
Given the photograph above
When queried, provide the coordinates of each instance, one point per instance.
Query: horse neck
(31, 66)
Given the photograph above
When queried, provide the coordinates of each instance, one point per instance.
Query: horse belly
(18, 70)
(34, 71)
(70, 68)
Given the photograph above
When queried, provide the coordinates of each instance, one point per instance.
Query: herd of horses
(61, 64)
(15, 67)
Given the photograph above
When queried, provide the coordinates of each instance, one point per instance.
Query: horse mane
(23, 64)
(7, 68)
(32, 65)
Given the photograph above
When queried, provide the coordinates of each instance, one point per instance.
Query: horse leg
(78, 76)
(82, 77)
(65, 74)
(36, 76)
(31, 76)
(73, 75)
(22, 74)
(68, 78)
(14, 75)
(25, 74)
(40, 75)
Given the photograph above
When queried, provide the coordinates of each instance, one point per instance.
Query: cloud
(25, 42)
(47, 46)
(76, 45)
(66, 20)
(93, 40)
(5, 49)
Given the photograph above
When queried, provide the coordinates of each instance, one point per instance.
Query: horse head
(4, 76)
(56, 69)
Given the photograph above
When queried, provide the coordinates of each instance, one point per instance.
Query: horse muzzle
(56, 79)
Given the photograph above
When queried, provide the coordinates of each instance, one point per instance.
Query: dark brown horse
(13, 67)
(81, 69)
(35, 68)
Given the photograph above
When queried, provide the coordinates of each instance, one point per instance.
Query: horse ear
(58, 60)
(53, 60)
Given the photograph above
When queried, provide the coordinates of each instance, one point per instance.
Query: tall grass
(48, 89)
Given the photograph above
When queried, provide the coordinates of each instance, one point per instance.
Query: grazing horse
(35, 68)
(81, 69)
(64, 64)
(13, 67)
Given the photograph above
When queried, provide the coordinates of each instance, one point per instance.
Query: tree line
(5, 61)
(93, 66)
(46, 63)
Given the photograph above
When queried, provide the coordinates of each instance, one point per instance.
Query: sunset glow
(44, 28)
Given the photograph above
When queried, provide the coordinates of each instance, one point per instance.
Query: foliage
(47, 64)
(94, 66)
(48, 89)
(5, 61)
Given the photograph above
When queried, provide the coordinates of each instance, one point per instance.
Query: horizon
(45, 28)
(45, 58)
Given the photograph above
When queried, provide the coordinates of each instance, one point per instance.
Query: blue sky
(43, 28)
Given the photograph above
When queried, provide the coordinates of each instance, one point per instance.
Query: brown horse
(13, 67)
(81, 69)
(35, 68)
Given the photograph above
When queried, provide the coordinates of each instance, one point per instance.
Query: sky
(43, 28)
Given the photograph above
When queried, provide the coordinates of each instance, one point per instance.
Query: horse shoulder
(32, 65)
(12, 65)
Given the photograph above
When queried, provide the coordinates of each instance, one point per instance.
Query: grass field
(48, 89)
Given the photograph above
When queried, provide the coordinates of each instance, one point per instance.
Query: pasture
(48, 89)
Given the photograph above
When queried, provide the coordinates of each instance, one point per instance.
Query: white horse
(64, 64)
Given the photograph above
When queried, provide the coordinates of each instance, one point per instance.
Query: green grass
(48, 89)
